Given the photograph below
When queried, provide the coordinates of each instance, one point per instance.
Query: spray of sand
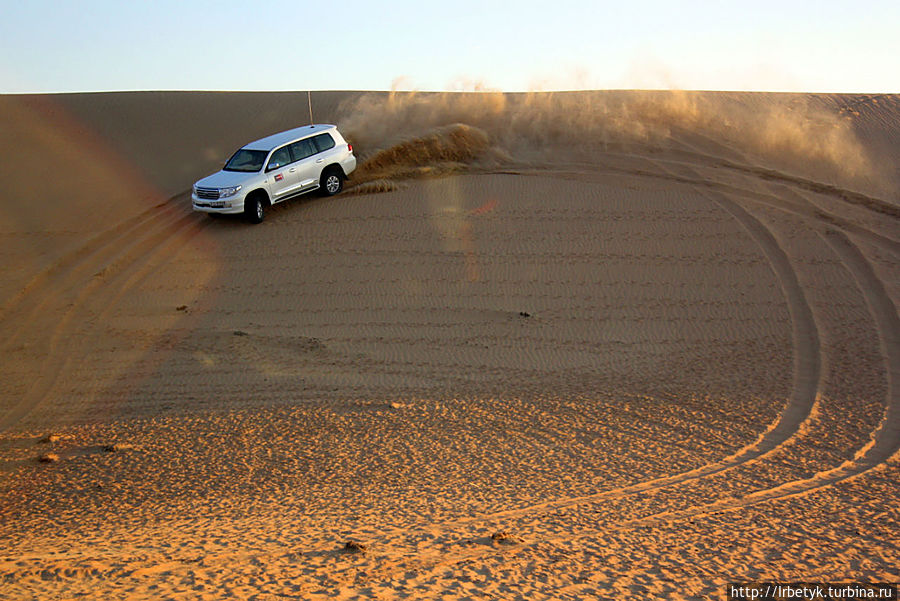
(397, 131)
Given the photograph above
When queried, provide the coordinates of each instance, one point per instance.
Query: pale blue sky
(94, 45)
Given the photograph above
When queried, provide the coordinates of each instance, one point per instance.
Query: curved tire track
(884, 444)
(885, 441)
(97, 264)
(807, 373)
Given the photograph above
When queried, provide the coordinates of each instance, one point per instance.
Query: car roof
(275, 140)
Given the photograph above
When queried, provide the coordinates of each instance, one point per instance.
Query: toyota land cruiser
(275, 168)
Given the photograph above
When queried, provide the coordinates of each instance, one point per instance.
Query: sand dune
(546, 346)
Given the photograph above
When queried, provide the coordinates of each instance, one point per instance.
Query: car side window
(280, 158)
(323, 142)
(302, 149)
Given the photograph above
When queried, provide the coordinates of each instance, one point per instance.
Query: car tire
(254, 210)
(332, 181)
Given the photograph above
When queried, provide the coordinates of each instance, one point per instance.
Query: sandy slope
(652, 337)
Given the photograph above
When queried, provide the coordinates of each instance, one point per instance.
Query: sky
(792, 46)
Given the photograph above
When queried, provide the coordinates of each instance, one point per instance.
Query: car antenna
(309, 102)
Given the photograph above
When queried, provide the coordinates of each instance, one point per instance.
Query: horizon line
(430, 91)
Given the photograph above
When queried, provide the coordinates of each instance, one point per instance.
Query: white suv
(275, 168)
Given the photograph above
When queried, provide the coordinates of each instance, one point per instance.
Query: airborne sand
(652, 336)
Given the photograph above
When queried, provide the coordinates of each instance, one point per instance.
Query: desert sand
(544, 346)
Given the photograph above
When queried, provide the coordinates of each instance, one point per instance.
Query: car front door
(282, 175)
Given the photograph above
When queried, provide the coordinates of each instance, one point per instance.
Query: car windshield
(246, 160)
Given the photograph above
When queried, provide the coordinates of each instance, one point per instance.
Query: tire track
(803, 208)
(885, 440)
(785, 183)
(883, 445)
(90, 268)
(73, 268)
(807, 373)
(133, 274)
(77, 256)
(813, 214)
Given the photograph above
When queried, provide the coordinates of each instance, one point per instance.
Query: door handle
(292, 170)
(321, 161)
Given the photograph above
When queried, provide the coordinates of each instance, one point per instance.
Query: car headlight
(226, 192)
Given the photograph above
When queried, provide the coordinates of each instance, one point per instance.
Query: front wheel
(254, 210)
(332, 182)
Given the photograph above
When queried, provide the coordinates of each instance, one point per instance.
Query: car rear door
(308, 171)
(328, 152)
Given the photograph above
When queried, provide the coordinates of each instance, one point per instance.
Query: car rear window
(302, 149)
(323, 142)
(246, 160)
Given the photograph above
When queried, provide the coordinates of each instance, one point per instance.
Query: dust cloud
(779, 131)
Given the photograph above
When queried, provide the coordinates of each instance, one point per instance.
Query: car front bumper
(225, 206)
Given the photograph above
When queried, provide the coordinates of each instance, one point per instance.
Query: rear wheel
(254, 209)
(332, 181)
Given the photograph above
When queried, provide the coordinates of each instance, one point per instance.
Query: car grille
(208, 193)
